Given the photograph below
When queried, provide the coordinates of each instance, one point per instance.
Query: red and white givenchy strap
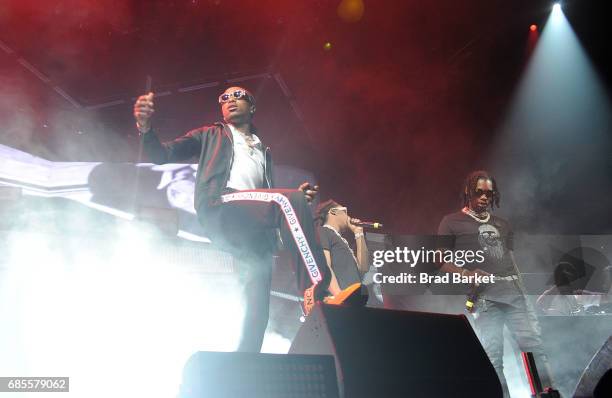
(292, 223)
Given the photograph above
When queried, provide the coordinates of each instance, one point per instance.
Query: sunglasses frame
(488, 193)
(243, 94)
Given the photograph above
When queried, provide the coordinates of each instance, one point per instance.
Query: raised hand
(354, 228)
(309, 191)
(143, 110)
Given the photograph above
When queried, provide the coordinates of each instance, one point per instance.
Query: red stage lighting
(533, 28)
(350, 10)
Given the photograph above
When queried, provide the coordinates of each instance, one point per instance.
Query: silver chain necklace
(475, 216)
(343, 240)
(250, 141)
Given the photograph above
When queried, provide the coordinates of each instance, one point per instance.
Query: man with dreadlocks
(501, 303)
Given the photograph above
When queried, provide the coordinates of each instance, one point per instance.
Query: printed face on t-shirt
(491, 241)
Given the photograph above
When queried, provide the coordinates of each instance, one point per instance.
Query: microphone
(366, 224)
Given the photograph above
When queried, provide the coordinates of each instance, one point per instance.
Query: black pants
(245, 224)
(522, 324)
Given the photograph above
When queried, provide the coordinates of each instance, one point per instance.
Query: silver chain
(475, 216)
(343, 240)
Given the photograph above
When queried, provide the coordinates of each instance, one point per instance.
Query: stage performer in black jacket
(238, 206)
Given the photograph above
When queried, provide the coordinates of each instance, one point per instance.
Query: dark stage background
(388, 110)
(390, 116)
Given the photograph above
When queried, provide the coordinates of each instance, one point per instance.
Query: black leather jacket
(215, 148)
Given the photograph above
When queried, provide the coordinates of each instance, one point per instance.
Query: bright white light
(115, 315)
(274, 343)
(557, 8)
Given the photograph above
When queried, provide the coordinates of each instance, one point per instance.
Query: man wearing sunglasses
(497, 304)
(347, 266)
(238, 206)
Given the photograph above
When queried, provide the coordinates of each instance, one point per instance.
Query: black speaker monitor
(387, 353)
(254, 375)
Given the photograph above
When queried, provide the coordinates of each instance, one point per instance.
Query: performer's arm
(361, 246)
(182, 148)
(446, 240)
(310, 191)
(510, 246)
(362, 254)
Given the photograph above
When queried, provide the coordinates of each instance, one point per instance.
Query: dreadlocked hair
(469, 187)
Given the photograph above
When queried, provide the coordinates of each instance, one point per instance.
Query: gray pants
(523, 326)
